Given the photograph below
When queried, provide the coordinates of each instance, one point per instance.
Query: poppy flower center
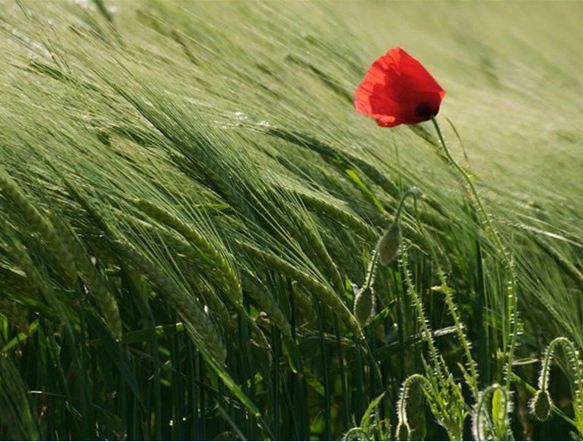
(425, 110)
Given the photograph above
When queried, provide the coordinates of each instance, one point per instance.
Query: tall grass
(190, 208)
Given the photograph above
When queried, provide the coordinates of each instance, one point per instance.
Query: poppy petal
(397, 89)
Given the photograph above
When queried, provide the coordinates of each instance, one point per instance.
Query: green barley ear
(96, 285)
(389, 244)
(308, 281)
(37, 222)
(541, 405)
(223, 269)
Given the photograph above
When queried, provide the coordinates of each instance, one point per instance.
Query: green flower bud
(363, 305)
(389, 244)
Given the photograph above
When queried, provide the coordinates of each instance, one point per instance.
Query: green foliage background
(188, 200)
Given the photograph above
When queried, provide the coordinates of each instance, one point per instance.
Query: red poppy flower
(397, 89)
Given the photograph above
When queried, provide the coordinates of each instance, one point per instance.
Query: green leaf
(498, 409)
(20, 337)
(357, 180)
(368, 413)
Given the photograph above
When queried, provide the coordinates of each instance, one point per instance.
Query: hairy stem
(512, 304)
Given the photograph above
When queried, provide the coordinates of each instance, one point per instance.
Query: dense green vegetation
(189, 205)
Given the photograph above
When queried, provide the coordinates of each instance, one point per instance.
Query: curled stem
(412, 191)
(410, 382)
(542, 404)
(572, 358)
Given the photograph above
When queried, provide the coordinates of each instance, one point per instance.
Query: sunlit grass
(189, 204)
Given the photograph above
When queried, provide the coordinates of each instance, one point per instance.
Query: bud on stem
(389, 244)
(385, 252)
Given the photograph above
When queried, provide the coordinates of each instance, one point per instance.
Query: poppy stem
(512, 305)
(411, 191)
(371, 274)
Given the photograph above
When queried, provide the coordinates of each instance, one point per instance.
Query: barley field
(191, 208)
